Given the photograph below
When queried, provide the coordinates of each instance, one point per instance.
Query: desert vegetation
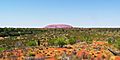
(59, 44)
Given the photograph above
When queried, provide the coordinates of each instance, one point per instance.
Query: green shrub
(111, 40)
(1, 49)
(58, 42)
(51, 42)
(32, 43)
(117, 44)
(72, 41)
(61, 42)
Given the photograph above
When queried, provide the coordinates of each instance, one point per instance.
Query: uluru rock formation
(58, 26)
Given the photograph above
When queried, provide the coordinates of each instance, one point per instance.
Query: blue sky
(38, 13)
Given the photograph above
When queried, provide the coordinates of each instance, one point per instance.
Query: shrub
(32, 43)
(72, 41)
(111, 40)
(1, 49)
(61, 42)
(58, 42)
(117, 44)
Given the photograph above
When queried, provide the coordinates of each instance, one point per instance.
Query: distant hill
(58, 26)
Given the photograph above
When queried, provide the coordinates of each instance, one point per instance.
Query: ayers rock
(58, 26)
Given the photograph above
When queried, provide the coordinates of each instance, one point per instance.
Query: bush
(61, 42)
(58, 42)
(51, 42)
(111, 40)
(1, 49)
(72, 41)
(117, 44)
(32, 43)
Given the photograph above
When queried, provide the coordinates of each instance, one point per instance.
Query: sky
(78, 13)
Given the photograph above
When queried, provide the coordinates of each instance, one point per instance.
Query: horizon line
(72, 26)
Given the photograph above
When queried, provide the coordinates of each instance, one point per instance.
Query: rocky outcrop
(58, 26)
